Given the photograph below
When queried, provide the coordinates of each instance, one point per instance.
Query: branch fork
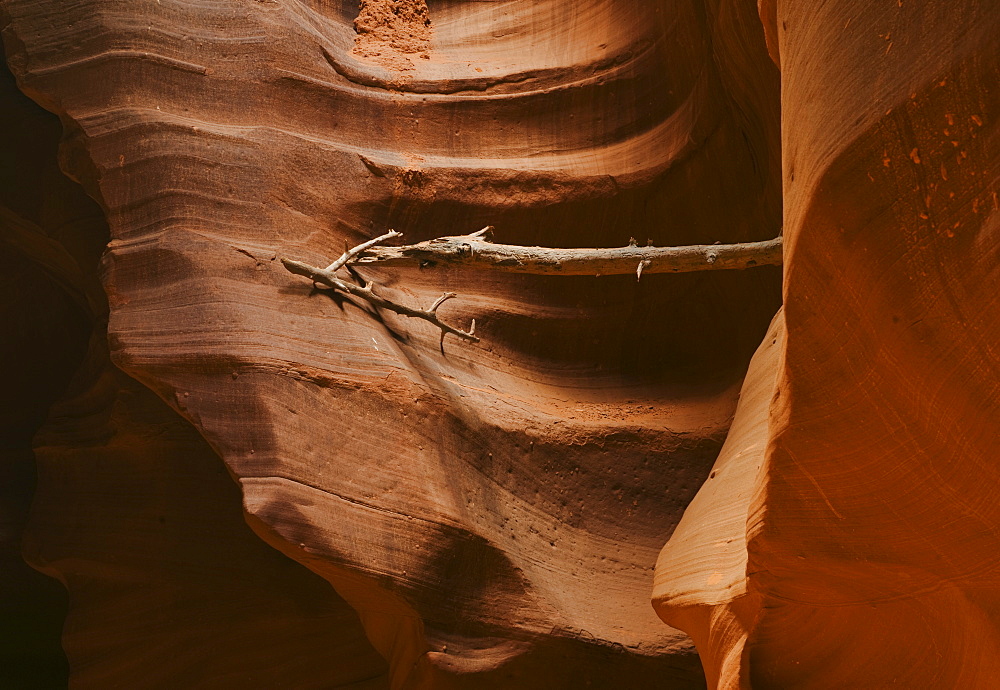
(326, 277)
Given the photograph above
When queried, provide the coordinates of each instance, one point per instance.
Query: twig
(327, 276)
(638, 272)
(477, 250)
(351, 253)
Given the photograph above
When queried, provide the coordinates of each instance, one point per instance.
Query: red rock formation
(850, 536)
(491, 512)
(168, 587)
(701, 582)
(134, 515)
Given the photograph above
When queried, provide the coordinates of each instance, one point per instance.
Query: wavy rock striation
(701, 584)
(134, 514)
(492, 513)
(168, 587)
(850, 538)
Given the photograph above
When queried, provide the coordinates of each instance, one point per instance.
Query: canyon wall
(235, 480)
(850, 535)
(465, 516)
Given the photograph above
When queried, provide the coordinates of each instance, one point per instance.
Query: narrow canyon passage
(493, 513)
(275, 482)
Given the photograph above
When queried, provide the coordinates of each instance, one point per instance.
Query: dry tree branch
(327, 277)
(477, 250)
(353, 252)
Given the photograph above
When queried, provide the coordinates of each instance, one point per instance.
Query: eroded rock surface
(134, 517)
(492, 513)
(168, 587)
(850, 537)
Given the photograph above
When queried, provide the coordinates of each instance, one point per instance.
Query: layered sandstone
(491, 514)
(850, 537)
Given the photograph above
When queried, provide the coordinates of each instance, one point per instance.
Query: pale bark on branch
(477, 250)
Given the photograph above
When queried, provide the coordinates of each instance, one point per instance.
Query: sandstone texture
(471, 516)
(221, 477)
(849, 536)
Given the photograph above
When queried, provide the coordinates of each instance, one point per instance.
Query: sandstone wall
(850, 538)
(491, 513)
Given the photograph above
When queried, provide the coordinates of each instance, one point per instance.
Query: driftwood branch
(328, 278)
(478, 251)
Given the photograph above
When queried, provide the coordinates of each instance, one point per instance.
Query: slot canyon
(215, 475)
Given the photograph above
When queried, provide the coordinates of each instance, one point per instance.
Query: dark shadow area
(45, 339)
(47, 326)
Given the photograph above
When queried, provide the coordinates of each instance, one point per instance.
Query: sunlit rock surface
(487, 515)
(323, 496)
(850, 537)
